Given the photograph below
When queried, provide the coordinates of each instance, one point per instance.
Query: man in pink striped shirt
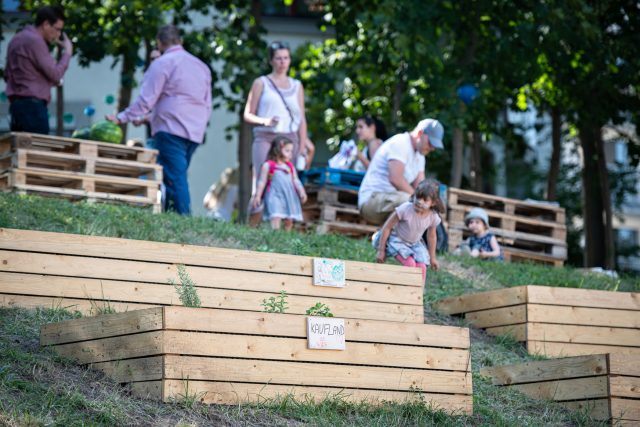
(176, 96)
(31, 71)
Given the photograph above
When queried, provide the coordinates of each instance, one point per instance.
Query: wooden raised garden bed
(230, 357)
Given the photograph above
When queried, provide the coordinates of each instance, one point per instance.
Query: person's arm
(153, 84)
(305, 142)
(299, 187)
(385, 231)
(396, 176)
(262, 183)
(432, 241)
(47, 65)
(495, 249)
(251, 107)
(418, 180)
(363, 159)
(373, 147)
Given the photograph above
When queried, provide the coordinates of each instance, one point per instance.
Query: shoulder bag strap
(283, 101)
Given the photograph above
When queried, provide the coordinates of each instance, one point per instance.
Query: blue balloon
(89, 110)
(467, 93)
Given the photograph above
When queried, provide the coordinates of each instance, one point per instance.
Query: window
(298, 8)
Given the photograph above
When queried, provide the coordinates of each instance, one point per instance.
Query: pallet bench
(89, 273)
(527, 231)
(606, 386)
(555, 322)
(79, 170)
(231, 357)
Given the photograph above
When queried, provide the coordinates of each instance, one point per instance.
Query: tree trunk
(126, 86)
(597, 201)
(245, 173)
(554, 163)
(457, 157)
(476, 161)
(398, 92)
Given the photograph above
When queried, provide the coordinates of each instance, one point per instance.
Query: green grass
(39, 388)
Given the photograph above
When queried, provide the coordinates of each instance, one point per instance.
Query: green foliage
(276, 304)
(319, 309)
(187, 291)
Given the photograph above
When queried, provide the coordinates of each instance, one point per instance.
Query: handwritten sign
(328, 272)
(325, 333)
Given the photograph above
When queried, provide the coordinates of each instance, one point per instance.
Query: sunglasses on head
(279, 45)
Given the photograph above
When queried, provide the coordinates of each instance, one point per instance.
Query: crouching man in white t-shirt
(397, 169)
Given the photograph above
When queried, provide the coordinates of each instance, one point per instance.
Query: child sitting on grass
(481, 243)
(401, 234)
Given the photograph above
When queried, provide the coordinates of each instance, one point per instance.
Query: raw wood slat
(561, 349)
(482, 301)
(583, 297)
(165, 294)
(131, 370)
(86, 307)
(138, 271)
(579, 388)
(624, 364)
(571, 315)
(623, 386)
(597, 409)
(138, 250)
(583, 334)
(626, 409)
(497, 317)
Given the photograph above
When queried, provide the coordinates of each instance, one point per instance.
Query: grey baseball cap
(434, 131)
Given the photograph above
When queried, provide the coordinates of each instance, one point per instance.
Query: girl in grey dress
(280, 187)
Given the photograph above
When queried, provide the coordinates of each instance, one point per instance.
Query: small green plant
(276, 304)
(319, 309)
(186, 290)
(189, 399)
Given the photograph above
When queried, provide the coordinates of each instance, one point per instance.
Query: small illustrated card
(328, 272)
(325, 333)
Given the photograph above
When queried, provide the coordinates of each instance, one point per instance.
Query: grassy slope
(37, 388)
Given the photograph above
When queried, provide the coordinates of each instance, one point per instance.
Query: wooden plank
(626, 409)
(521, 255)
(498, 317)
(473, 195)
(83, 194)
(583, 297)
(583, 334)
(89, 328)
(109, 247)
(139, 271)
(561, 349)
(225, 393)
(314, 374)
(130, 370)
(479, 301)
(571, 315)
(517, 332)
(518, 235)
(597, 409)
(289, 325)
(165, 294)
(457, 213)
(624, 364)
(152, 390)
(114, 348)
(86, 307)
(625, 386)
(573, 389)
(116, 182)
(295, 350)
(547, 370)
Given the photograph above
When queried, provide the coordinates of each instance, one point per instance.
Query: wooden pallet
(333, 196)
(606, 386)
(553, 321)
(15, 140)
(232, 357)
(79, 170)
(526, 231)
(87, 273)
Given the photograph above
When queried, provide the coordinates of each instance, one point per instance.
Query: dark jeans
(174, 156)
(29, 115)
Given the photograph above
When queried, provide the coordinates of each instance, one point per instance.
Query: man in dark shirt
(31, 71)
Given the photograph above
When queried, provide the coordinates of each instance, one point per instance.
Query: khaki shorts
(377, 209)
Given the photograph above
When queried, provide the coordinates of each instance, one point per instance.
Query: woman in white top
(373, 133)
(275, 106)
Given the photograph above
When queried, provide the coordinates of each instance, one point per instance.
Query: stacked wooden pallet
(605, 386)
(525, 230)
(231, 357)
(555, 322)
(79, 169)
(333, 202)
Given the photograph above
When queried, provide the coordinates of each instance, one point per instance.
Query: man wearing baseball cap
(396, 170)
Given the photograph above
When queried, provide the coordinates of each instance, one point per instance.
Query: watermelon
(106, 131)
(81, 133)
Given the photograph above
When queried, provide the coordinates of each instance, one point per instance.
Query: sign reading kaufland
(328, 272)
(325, 333)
